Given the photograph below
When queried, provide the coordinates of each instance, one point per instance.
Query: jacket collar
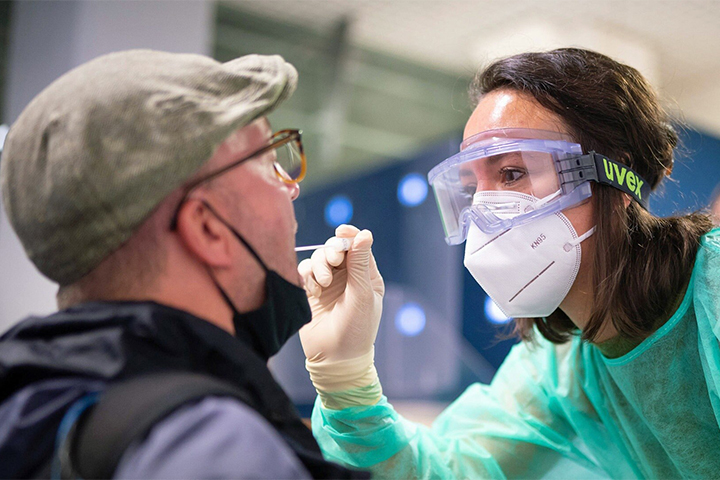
(116, 340)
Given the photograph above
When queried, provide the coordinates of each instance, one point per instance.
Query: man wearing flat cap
(150, 187)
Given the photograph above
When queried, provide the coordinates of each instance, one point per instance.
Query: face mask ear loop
(548, 199)
(237, 235)
(225, 296)
(572, 244)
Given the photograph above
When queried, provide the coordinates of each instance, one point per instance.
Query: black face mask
(285, 310)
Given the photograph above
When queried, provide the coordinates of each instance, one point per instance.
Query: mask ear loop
(237, 235)
(548, 199)
(225, 296)
(573, 243)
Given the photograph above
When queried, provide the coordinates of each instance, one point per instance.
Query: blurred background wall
(382, 98)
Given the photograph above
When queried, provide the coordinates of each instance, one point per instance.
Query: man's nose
(294, 190)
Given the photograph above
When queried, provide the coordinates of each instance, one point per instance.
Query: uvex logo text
(621, 175)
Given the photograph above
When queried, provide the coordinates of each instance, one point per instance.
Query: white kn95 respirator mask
(529, 269)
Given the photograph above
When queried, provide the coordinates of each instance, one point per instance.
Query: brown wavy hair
(642, 262)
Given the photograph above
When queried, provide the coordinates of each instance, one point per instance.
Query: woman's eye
(510, 175)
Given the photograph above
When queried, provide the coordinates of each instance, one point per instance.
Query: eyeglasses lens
(289, 162)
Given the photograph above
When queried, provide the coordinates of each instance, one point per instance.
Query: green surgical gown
(565, 411)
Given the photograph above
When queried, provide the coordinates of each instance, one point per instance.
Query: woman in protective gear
(619, 369)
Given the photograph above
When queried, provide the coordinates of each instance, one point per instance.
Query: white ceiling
(675, 43)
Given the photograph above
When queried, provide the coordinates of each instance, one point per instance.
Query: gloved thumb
(358, 259)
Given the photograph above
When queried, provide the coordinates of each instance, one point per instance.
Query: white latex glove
(345, 292)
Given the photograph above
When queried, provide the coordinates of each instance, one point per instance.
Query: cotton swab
(339, 244)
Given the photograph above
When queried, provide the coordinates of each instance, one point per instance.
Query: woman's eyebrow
(502, 156)
(492, 160)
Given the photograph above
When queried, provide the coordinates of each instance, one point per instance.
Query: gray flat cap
(93, 155)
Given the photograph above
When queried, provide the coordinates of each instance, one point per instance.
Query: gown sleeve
(510, 428)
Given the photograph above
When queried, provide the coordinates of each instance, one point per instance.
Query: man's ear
(205, 237)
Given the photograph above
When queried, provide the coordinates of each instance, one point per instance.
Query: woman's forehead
(506, 108)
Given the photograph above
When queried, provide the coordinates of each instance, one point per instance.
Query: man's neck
(206, 307)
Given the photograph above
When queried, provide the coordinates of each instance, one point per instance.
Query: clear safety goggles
(546, 165)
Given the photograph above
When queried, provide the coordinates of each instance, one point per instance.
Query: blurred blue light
(410, 319)
(412, 190)
(338, 210)
(493, 312)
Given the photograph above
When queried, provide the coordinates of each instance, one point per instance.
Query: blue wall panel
(695, 176)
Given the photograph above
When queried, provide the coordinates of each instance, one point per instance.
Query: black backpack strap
(128, 410)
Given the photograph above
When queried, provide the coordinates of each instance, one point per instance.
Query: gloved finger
(309, 283)
(346, 231)
(358, 258)
(377, 281)
(305, 269)
(334, 256)
(321, 268)
(313, 288)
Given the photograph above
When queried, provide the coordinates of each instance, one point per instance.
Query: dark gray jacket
(48, 364)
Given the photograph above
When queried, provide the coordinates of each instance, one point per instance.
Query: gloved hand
(345, 292)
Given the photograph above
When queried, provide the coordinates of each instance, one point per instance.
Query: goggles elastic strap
(598, 168)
